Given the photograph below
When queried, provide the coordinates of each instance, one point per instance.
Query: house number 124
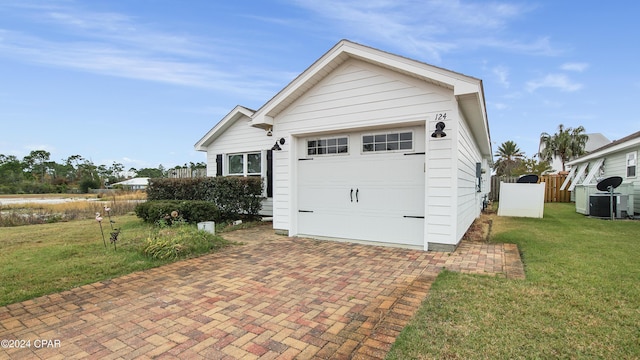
(440, 117)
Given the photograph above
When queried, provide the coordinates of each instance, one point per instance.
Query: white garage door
(363, 186)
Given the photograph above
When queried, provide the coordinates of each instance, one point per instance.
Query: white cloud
(500, 106)
(579, 67)
(557, 81)
(112, 44)
(539, 47)
(429, 28)
(503, 75)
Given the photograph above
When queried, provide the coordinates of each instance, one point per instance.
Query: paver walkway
(273, 298)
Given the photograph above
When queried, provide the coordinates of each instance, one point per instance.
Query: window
(236, 164)
(328, 146)
(387, 142)
(244, 164)
(253, 164)
(632, 162)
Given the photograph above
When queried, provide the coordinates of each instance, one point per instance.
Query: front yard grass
(581, 297)
(42, 259)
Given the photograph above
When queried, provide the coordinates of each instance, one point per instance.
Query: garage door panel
(363, 196)
(390, 229)
(390, 200)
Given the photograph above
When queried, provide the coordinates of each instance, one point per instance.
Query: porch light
(276, 146)
(439, 133)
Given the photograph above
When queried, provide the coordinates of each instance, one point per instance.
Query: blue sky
(138, 82)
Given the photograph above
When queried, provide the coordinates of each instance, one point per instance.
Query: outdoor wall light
(269, 132)
(276, 146)
(439, 133)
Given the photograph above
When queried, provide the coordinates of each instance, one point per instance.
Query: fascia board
(616, 148)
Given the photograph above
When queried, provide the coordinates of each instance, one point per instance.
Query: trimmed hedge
(181, 189)
(192, 211)
(233, 196)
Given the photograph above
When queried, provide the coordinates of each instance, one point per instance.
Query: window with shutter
(632, 162)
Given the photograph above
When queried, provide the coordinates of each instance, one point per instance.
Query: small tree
(566, 144)
(532, 166)
(37, 163)
(509, 156)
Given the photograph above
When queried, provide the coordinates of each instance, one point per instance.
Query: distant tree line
(36, 173)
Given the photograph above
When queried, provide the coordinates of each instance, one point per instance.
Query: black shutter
(269, 173)
(479, 177)
(219, 165)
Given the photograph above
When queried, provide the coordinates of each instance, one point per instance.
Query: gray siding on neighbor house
(615, 164)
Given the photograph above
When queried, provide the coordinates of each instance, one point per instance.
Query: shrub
(238, 195)
(191, 211)
(179, 241)
(87, 183)
(180, 189)
(32, 187)
(234, 196)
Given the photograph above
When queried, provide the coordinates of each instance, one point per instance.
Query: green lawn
(42, 259)
(581, 297)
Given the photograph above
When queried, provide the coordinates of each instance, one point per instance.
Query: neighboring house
(618, 158)
(133, 184)
(595, 141)
(353, 149)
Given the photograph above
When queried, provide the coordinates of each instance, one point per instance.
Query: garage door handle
(351, 195)
(357, 190)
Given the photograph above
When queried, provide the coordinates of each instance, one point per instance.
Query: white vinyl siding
(281, 188)
(359, 94)
(469, 199)
(440, 186)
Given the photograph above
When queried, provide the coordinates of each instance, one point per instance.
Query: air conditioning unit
(600, 205)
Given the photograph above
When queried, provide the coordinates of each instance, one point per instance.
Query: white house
(354, 149)
(618, 158)
(140, 183)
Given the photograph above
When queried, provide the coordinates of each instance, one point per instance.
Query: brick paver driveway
(274, 297)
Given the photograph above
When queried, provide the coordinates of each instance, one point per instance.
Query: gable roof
(139, 181)
(615, 146)
(595, 142)
(235, 114)
(468, 90)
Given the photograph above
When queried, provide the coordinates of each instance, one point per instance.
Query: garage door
(363, 186)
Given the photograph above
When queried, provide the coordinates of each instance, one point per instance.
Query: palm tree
(509, 156)
(566, 144)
